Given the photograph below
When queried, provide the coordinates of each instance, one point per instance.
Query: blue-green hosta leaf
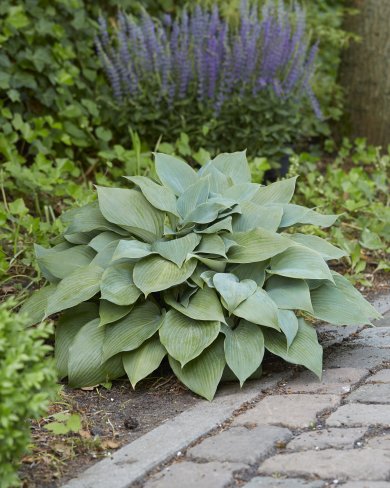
(220, 226)
(244, 349)
(234, 165)
(207, 277)
(141, 362)
(256, 245)
(242, 192)
(218, 265)
(109, 312)
(341, 303)
(195, 278)
(194, 195)
(41, 252)
(99, 242)
(300, 262)
(289, 325)
(155, 274)
(86, 367)
(34, 307)
(254, 216)
(203, 305)
(78, 287)
(323, 247)
(62, 263)
(81, 237)
(279, 192)
(159, 196)
(88, 218)
(304, 350)
(133, 330)
(232, 290)
(219, 182)
(185, 338)
(295, 214)
(289, 293)
(250, 271)
(212, 244)
(117, 285)
(209, 211)
(132, 211)
(66, 330)
(132, 250)
(105, 256)
(177, 250)
(259, 309)
(174, 173)
(203, 374)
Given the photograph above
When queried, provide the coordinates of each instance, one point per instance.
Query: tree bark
(365, 72)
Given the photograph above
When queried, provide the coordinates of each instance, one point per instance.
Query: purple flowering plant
(231, 86)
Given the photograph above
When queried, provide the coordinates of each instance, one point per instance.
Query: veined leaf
(203, 305)
(233, 165)
(174, 173)
(278, 192)
(220, 226)
(256, 245)
(323, 247)
(104, 257)
(185, 338)
(341, 304)
(289, 325)
(254, 216)
(244, 349)
(304, 350)
(159, 196)
(81, 237)
(78, 287)
(218, 265)
(289, 293)
(207, 212)
(212, 244)
(133, 330)
(132, 211)
(219, 182)
(141, 362)
(34, 307)
(250, 271)
(300, 262)
(203, 373)
(295, 214)
(88, 218)
(232, 290)
(177, 250)
(99, 242)
(109, 312)
(259, 309)
(62, 263)
(117, 285)
(155, 274)
(193, 196)
(242, 192)
(132, 250)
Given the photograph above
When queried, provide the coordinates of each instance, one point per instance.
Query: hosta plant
(200, 267)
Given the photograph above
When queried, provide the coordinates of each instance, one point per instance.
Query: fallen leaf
(109, 444)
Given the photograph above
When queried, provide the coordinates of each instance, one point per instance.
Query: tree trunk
(365, 72)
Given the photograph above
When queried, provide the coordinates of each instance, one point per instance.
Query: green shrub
(197, 267)
(27, 382)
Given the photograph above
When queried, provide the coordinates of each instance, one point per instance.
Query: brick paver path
(305, 434)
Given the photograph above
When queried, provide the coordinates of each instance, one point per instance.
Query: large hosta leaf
(244, 349)
(132, 211)
(194, 195)
(185, 338)
(288, 322)
(109, 312)
(295, 214)
(250, 271)
(279, 192)
(174, 173)
(86, 366)
(256, 245)
(132, 250)
(219, 226)
(102, 240)
(259, 309)
(289, 293)
(341, 303)
(159, 196)
(254, 216)
(242, 192)
(212, 244)
(219, 182)
(88, 218)
(35, 306)
(233, 165)
(304, 350)
(141, 362)
(130, 332)
(209, 211)
(78, 287)
(232, 290)
(323, 247)
(105, 256)
(177, 250)
(66, 330)
(204, 304)
(62, 263)
(300, 262)
(155, 274)
(203, 373)
(117, 285)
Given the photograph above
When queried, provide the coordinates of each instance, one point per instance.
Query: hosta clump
(198, 267)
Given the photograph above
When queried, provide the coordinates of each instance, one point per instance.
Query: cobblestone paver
(306, 433)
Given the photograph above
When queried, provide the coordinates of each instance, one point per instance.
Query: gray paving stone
(334, 334)
(354, 464)
(382, 303)
(374, 393)
(336, 380)
(268, 482)
(193, 475)
(326, 439)
(385, 322)
(356, 357)
(240, 444)
(355, 414)
(295, 410)
(380, 442)
(380, 377)
(367, 484)
(374, 337)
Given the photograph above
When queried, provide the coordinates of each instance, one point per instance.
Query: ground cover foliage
(198, 267)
